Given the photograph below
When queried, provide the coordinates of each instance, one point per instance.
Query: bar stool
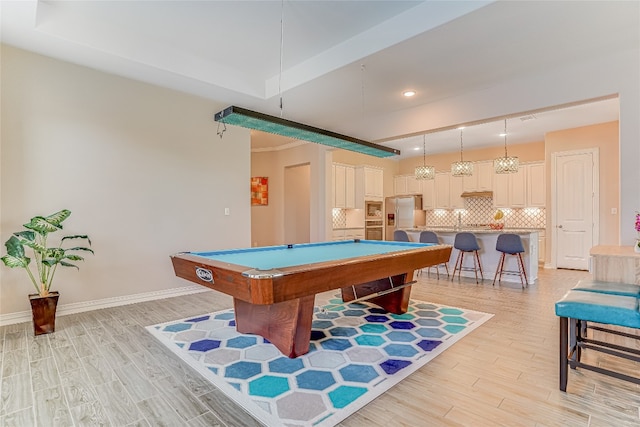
(464, 243)
(510, 244)
(431, 237)
(400, 236)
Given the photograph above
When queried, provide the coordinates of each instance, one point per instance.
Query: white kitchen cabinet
(344, 184)
(518, 188)
(455, 190)
(414, 186)
(541, 246)
(406, 184)
(347, 234)
(441, 183)
(369, 185)
(510, 190)
(399, 185)
(429, 194)
(482, 178)
(536, 187)
(524, 189)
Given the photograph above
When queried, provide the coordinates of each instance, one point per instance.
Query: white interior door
(575, 207)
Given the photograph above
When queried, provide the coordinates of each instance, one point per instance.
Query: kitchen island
(489, 257)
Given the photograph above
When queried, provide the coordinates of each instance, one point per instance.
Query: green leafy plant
(46, 259)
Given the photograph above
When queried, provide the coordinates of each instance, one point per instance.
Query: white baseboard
(79, 307)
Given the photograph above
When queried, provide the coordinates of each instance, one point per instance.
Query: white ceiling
(344, 63)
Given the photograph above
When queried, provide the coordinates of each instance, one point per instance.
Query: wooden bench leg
(564, 348)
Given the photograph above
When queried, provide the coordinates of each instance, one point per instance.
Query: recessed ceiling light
(409, 93)
(503, 134)
(416, 148)
(461, 127)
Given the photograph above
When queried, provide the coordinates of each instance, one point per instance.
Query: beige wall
(529, 152)
(140, 167)
(604, 137)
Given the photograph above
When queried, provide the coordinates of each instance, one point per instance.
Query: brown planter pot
(44, 312)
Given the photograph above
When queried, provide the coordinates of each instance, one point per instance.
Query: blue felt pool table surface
(274, 257)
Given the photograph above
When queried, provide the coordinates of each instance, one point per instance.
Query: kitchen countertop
(479, 230)
(617, 251)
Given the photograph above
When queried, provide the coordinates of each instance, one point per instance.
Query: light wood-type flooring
(102, 368)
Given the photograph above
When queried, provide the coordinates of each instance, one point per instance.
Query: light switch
(614, 211)
(226, 211)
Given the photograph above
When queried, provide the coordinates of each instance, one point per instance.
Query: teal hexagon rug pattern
(357, 352)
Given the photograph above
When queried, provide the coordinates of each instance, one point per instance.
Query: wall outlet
(614, 211)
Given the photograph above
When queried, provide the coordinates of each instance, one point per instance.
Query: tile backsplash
(480, 210)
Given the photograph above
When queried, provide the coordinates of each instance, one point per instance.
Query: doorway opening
(297, 204)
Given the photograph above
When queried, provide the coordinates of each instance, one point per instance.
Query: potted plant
(46, 260)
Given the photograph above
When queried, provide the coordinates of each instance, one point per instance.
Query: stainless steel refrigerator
(403, 212)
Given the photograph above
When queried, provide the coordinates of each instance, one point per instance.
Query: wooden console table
(615, 264)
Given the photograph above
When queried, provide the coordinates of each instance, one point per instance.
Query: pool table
(274, 287)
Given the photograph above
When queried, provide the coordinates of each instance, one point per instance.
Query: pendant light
(506, 164)
(461, 168)
(424, 171)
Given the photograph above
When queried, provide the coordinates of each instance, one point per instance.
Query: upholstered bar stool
(400, 236)
(510, 244)
(467, 243)
(431, 237)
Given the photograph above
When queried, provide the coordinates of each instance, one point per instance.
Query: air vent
(528, 117)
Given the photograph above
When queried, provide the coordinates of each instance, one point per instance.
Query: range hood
(477, 194)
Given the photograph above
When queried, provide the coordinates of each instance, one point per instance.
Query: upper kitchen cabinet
(448, 190)
(536, 185)
(520, 190)
(369, 185)
(441, 183)
(406, 184)
(429, 194)
(482, 178)
(456, 185)
(344, 185)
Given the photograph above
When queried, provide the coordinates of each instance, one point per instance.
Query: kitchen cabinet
(347, 234)
(448, 190)
(482, 178)
(536, 186)
(406, 184)
(441, 183)
(369, 185)
(509, 190)
(429, 194)
(344, 184)
(521, 190)
(456, 184)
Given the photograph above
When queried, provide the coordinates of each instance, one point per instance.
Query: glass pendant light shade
(461, 168)
(506, 164)
(424, 171)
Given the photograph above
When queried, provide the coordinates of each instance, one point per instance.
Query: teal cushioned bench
(601, 308)
(612, 288)
(580, 306)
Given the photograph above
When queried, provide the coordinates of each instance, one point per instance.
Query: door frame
(595, 199)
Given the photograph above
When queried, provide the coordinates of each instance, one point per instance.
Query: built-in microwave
(372, 209)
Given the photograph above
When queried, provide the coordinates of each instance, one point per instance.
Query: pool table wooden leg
(287, 325)
(396, 302)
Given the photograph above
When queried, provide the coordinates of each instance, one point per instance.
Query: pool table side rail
(307, 279)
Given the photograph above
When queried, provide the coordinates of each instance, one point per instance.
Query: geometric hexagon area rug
(357, 352)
